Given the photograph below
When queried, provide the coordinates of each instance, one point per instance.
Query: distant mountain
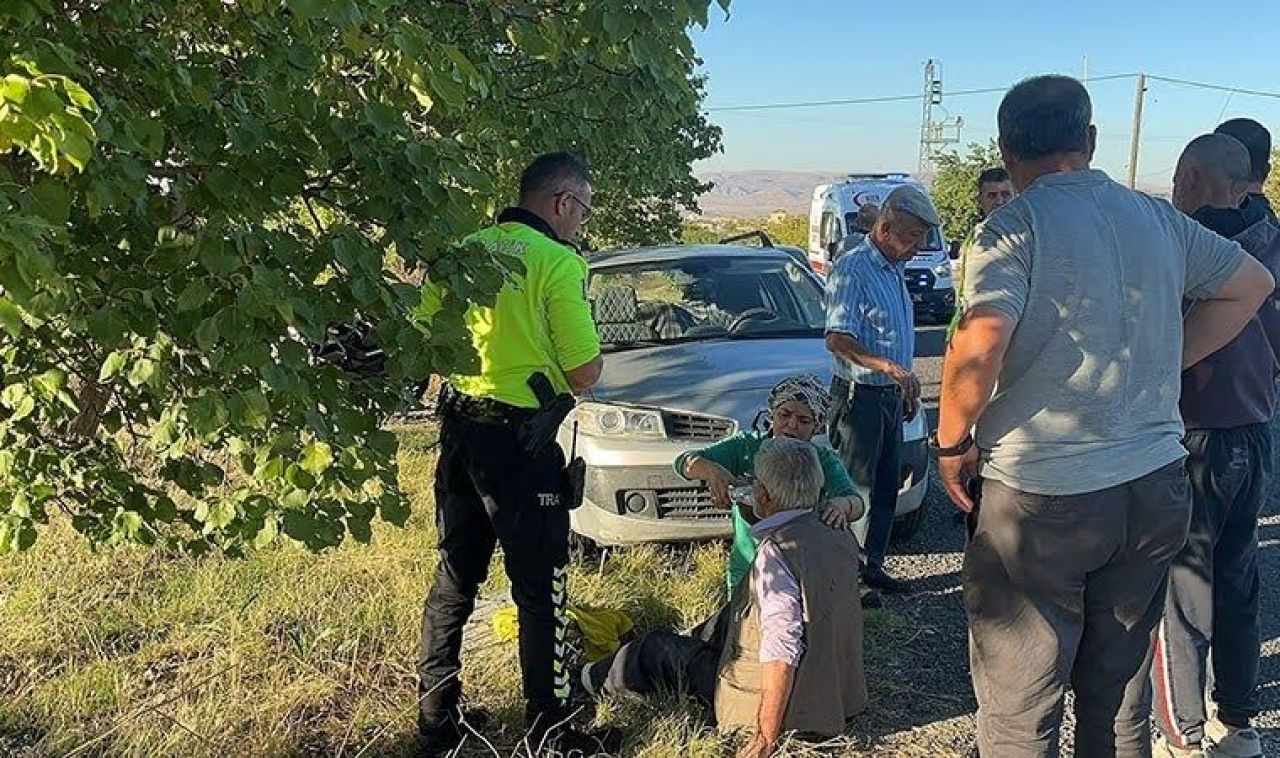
(759, 193)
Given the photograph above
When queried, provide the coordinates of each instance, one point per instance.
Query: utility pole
(1136, 138)
(933, 133)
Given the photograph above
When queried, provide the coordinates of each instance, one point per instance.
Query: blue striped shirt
(867, 299)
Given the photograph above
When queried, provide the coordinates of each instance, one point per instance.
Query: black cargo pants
(1211, 615)
(488, 490)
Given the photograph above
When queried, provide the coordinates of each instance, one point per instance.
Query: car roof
(677, 252)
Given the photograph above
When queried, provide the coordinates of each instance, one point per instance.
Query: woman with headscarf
(797, 408)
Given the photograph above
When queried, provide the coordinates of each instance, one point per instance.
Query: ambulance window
(829, 231)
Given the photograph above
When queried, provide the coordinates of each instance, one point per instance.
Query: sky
(788, 51)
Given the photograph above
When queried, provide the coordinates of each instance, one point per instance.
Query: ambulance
(832, 217)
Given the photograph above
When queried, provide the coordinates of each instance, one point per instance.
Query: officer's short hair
(553, 172)
(1045, 115)
(790, 471)
(1256, 139)
(992, 176)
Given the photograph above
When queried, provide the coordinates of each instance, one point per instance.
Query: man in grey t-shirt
(1067, 364)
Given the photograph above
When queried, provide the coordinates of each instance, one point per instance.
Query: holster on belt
(537, 430)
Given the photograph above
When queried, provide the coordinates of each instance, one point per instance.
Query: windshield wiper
(799, 331)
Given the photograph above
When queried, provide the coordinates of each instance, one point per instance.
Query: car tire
(906, 527)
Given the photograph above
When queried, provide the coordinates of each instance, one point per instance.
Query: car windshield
(687, 299)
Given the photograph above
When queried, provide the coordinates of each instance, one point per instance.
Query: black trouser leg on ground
(1212, 601)
(870, 445)
(663, 661)
(488, 489)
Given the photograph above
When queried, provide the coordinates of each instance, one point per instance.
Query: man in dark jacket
(1257, 140)
(1227, 401)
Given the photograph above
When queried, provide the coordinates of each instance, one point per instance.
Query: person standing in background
(871, 333)
(1073, 310)
(1211, 613)
(1257, 140)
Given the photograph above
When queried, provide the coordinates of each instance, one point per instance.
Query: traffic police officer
(490, 488)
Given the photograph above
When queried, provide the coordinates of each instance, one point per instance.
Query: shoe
(1161, 747)
(875, 578)
(871, 599)
(1226, 741)
(566, 741)
(443, 737)
(593, 681)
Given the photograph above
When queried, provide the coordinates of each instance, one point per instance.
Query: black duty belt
(482, 410)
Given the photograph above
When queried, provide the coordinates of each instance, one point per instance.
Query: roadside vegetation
(135, 652)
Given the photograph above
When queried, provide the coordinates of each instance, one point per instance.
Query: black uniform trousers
(489, 490)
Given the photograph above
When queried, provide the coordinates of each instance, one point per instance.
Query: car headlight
(942, 270)
(619, 421)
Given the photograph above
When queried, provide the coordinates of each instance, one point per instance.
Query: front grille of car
(689, 503)
(693, 427)
(919, 279)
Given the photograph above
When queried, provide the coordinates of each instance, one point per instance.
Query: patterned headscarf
(804, 388)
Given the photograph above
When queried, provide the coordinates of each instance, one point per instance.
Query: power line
(886, 99)
(1218, 87)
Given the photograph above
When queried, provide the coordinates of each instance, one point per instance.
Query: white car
(694, 338)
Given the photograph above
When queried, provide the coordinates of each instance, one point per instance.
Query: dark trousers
(1211, 613)
(489, 490)
(1067, 591)
(865, 426)
(663, 661)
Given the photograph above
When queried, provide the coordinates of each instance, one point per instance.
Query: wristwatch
(960, 448)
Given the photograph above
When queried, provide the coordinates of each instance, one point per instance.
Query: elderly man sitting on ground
(786, 654)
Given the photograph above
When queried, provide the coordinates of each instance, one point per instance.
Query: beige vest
(830, 686)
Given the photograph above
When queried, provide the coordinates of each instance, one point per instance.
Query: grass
(136, 653)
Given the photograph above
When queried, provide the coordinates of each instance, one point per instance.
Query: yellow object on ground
(603, 629)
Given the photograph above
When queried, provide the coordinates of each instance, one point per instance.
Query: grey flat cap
(909, 199)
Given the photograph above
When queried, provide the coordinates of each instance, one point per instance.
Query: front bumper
(934, 302)
(634, 496)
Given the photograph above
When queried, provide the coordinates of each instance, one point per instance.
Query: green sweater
(738, 456)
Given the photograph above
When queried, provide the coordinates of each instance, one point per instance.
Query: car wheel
(905, 528)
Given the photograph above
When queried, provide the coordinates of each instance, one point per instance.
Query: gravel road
(922, 703)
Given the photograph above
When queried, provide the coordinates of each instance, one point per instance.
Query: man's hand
(757, 747)
(839, 512)
(906, 381)
(955, 472)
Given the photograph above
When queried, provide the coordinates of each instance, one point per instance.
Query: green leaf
(317, 457)
(49, 383)
(301, 527)
(394, 509)
(15, 88)
(142, 372)
(112, 366)
(79, 96)
(10, 317)
(300, 478)
(307, 8)
(193, 296)
(207, 334)
(266, 534)
(208, 413)
(218, 258)
(220, 514)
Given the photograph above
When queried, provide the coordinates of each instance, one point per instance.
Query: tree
(1272, 186)
(955, 188)
(192, 192)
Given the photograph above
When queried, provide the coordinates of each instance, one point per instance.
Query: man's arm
(585, 376)
(573, 330)
(844, 346)
(1214, 322)
(969, 376)
(781, 644)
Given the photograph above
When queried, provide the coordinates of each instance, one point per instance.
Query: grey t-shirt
(1094, 275)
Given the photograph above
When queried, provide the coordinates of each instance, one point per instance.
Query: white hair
(790, 471)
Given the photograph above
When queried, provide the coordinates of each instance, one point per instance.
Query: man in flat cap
(871, 332)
